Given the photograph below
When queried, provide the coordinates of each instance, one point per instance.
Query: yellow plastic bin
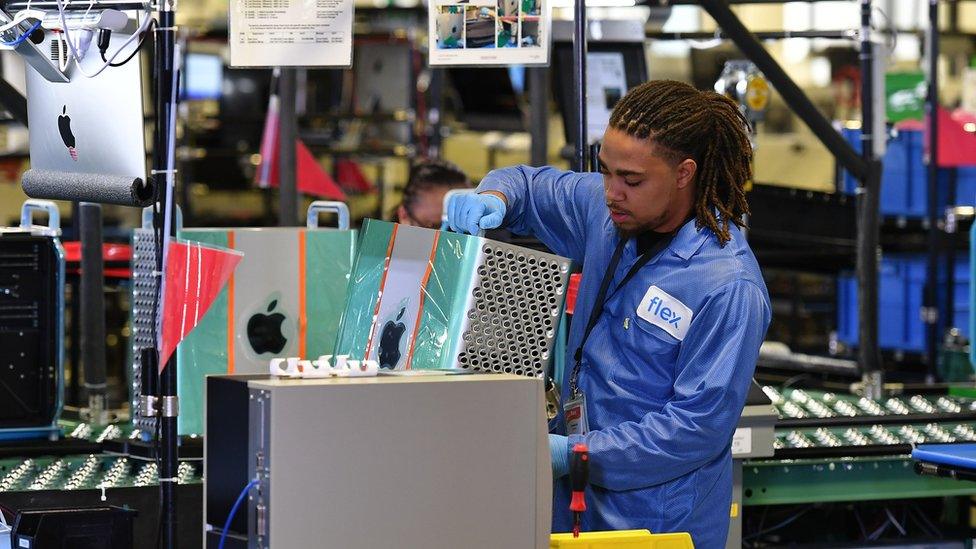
(624, 539)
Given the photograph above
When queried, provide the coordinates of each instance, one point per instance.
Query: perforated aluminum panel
(143, 296)
(423, 299)
(516, 300)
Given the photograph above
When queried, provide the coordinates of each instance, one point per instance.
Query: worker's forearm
(549, 204)
(498, 194)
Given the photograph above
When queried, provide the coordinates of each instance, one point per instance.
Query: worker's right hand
(473, 212)
(559, 454)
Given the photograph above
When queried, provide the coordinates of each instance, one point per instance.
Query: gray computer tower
(431, 462)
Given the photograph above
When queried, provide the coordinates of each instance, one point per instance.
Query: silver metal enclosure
(511, 321)
(425, 299)
(433, 462)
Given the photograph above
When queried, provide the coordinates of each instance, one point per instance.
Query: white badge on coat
(575, 411)
(664, 311)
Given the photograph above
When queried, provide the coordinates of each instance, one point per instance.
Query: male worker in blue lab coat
(680, 307)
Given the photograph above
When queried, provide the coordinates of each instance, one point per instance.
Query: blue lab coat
(663, 396)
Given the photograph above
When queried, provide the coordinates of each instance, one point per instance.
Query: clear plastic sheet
(195, 275)
(408, 284)
(203, 351)
(285, 299)
(425, 299)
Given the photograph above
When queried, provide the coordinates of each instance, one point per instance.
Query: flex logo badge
(664, 311)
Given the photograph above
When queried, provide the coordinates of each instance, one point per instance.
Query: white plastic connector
(287, 367)
(304, 368)
(319, 368)
(278, 367)
(346, 366)
(81, 39)
(365, 368)
(323, 368)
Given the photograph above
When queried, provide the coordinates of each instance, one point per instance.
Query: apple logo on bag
(264, 333)
(64, 128)
(390, 337)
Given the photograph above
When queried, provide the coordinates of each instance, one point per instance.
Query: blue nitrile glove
(472, 212)
(559, 453)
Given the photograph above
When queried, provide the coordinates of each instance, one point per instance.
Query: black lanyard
(601, 297)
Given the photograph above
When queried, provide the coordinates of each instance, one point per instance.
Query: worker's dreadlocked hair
(704, 126)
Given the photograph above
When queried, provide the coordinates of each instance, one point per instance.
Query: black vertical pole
(74, 334)
(93, 309)
(168, 409)
(868, 228)
(579, 84)
(950, 241)
(538, 78)
(435, 109)
(287, 133)
(931, 300)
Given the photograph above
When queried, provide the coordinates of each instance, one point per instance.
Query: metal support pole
(539, 115)
(951, 241)
(435, 109)
(74, 332)
(762, 35)
(790, 92)
(93, 310)
(165, 72)
(287, 133)
(868, 227)
(930, 307)
(579, 84)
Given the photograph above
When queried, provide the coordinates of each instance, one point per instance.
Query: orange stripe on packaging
(423, 294)
(386, 270)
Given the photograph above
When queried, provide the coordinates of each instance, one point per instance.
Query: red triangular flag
(311, 178)
(195, 274)
(351, 176)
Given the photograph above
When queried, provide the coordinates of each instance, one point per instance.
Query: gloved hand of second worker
(473, 212)
(559, 454)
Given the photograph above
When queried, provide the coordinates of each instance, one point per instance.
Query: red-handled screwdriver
(579, 477)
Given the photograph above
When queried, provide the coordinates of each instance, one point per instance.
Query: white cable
(20, 17)
(71, 47)
(63, 62)
(704, 44)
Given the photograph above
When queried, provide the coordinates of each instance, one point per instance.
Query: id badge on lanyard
(575, 408)
(575, 414)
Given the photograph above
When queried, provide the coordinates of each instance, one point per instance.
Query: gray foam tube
(84, 187)
(92, 297)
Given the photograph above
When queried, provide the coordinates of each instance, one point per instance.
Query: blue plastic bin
(965, 186)
(902, 283)
(903, 183)
(904, 180)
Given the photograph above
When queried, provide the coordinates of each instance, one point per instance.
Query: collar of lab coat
(689, 240)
